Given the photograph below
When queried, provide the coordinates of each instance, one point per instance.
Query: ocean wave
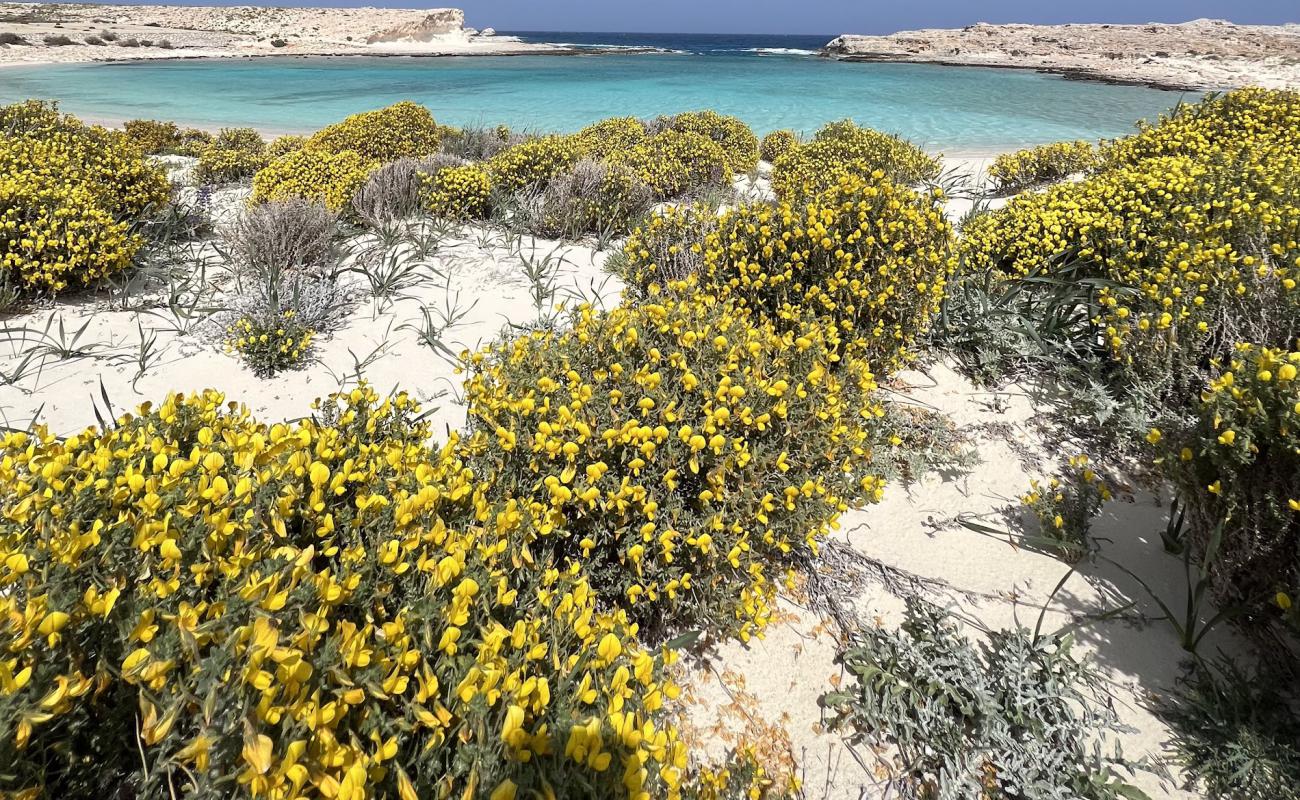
(780, 51)
(639, 48)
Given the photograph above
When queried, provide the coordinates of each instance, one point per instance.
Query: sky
(826, 17)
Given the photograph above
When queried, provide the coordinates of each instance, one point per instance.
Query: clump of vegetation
(668, 246)
(9, 37)
(193, 141)
(1065, 507)
(70, 199)
(592, 197)
(402, 130)
(777, 144)
(153, 137)
(1016, 715)
(270, 344)
(533, 164)
(57, 40)
(285, 235)
(675, 164)
(1024, 169)
(709, 453)
(236, 154)
(326, 177)
(396, 190)
(458, 193)
(94, 40)
(478, 143)
(283, 145)
(734, 137)
(606, 139)
(842, 149)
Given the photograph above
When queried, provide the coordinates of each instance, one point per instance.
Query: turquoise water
(952, 108)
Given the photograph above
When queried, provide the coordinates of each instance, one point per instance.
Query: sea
(768, 81)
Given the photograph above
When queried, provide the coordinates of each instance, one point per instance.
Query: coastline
(1201, 55)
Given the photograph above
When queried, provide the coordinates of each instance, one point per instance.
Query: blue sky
(847, 16)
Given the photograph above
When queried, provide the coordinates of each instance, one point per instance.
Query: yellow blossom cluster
(737, 141)
(777, 144)
(604, 139)
(674, 163)
(679, 450)
(867, 256)
(270, 345)
(1066, 505)
(195, 603)
(1023, 169)
(668, 246)
(70, 195)
(329, 178)
(151, 136)
(532, 164)
(283, 145)
(1238, 466)
(463, 192)
(842, 148)
(401, 130)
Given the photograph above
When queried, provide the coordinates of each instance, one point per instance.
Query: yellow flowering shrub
(592, 197)
(868, 256)
(401, 130)
(193, 141)
(1238, 465)
(270, 343)
(463, 192)
(842, 148)
(151, 136)
(1023, 169)
(735, 138)
(681, 452)
(198, 604)
(777, 144)
(607, 138)
(668, 246)
(1065, 507)
(531, 164)
(235, 155)
(283, 145)
(69, 196)
(674, 163)
(329, 178)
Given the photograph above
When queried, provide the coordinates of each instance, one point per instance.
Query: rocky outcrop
(431, 25)
(1197, 55)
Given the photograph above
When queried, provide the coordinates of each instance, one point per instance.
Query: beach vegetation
(777, 144)
(735, 138)
(1025, 169)
(591, 197)
(235, 155)
(607, 138)
(283, 145)
(402, 130)
(57, 40)
(532, 164)
(480, 143)
(675, 164)
(270, 344)
(843, 148)
(396, 190)
(1064, 507)
(458, 192)
(153, 137)
(330, 178)
(11, 38)
(193, 141)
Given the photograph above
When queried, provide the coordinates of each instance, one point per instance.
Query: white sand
(770, 689)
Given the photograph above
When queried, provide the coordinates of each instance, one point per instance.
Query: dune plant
(402, 130)
(321, 176)
(735, 138)
(1024, 169)
(153, 137)
(777, 144)
(841, 149)
(675, 164)
(458, 193)
(591, 197)
(609, 137)
(236, 154)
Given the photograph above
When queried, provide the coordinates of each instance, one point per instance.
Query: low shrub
(1066, 506)
(1024, 169)
(108, 36)
(283, 235)
(401, 130)
(867, 256)
(270, 344)
(1019, 715)
(668, 246)
(69, 199)
(153, 137)
(236, 154)
(475, 143)
(777, 144)
(57, 40)
(533, 164)
(592, 197)
(675, 164)
(843, 148)
(193, 142)
(681, 452)
(396, 191)
(458, 193)
(94, 40)
(9, 37)
(284, 145)
(195, 602)
(1236, 468)
(609, 137)
(129, 42)
(735, 138)
(328, 178)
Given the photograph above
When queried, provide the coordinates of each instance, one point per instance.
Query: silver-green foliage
(1018, 715)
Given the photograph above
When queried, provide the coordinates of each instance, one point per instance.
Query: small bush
(153, 137)
(108, 36)
(592, 197)
(94, 40)
(478, 143)
(1066, 506)
(290, 234)
(283, 145)
(236, 154)
(1237, 465)
(401, 130)
(458, 193)
(131, 42)
(1017, 716)
(735, 138)
(9, 37)
(193, 142)
(328, 178)
(1024, 169)
(396, 191)
(868, 256)
(675, 164)
(165, 44)
(668, 246)
(777, 144)
(607, 138)
(57, 40)
(680, 452)
(843, 148)
(533, 164)
(270, 344)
